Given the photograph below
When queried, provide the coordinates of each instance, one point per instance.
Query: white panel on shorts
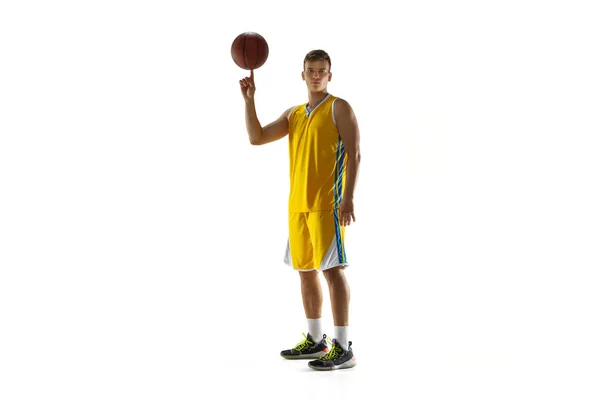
(332, 258)
(287, 258)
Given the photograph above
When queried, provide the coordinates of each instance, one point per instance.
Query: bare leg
(339, 293)
(312, 296)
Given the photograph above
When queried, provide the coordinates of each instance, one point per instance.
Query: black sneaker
(307, 349)
(337, 358)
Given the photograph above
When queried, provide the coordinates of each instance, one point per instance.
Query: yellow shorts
(316, 241)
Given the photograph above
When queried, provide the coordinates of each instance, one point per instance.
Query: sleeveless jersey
(317, 158)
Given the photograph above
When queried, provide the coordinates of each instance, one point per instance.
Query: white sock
(341, 336)
(315, 329)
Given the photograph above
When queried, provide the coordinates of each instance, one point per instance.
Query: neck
(315, 98)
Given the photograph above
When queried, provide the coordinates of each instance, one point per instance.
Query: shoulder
(293, 109)
(289, 112)
(341, 108)
(339, 101)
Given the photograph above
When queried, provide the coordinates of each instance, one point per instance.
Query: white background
(142, 236)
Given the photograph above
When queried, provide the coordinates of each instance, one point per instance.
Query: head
(317, 70)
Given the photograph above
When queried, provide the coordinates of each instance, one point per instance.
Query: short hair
(317, 55)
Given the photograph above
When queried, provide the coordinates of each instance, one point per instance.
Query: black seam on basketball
(257, 51)
(244, 47)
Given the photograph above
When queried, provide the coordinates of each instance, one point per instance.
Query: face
(316, 74)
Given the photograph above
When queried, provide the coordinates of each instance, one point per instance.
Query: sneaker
(306, 349)
(337, 358)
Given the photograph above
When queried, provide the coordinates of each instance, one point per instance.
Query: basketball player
(324, 159)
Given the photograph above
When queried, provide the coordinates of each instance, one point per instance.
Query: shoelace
(333, 353)
(303, 344)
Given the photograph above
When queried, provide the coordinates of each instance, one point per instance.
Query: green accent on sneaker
(333, 353)
(304, 343)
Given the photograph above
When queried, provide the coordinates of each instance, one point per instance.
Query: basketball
(249, 50)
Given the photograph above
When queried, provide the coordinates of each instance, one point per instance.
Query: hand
(247, 86)
(346, 212)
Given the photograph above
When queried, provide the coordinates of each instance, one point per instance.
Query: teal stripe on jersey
(337, 192)
(338, 238)
(340, 155)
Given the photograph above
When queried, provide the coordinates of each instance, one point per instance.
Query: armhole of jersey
(333, 111)
(290, 113)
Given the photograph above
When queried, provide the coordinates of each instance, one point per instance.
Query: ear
(330, 75)
(303, 77)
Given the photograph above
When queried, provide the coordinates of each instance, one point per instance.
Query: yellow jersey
(317, 158)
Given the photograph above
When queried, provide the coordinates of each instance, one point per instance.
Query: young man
(324, 158)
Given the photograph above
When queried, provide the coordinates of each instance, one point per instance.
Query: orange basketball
(249, 50)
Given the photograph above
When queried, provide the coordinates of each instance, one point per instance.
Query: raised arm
(256, 133)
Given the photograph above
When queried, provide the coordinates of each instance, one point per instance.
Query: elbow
(354, 157)
(255, 137)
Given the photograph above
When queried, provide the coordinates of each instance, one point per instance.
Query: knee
(308, 276)
(334, 275)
